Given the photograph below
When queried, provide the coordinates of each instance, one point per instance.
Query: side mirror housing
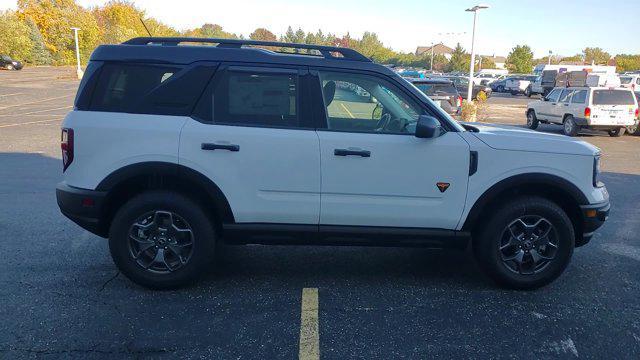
(428, 127)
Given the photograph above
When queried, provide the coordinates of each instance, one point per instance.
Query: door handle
(229, 147)
(349, 152)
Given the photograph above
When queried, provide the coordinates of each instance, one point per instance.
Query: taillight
(587, 113)
(637, 113)
(459, 101)
(66, 145)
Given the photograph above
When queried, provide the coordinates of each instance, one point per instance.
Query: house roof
(495, 59)
(438, 49)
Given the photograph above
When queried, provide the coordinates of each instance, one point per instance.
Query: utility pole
(79, 71)
(550, 52)
(473, 54)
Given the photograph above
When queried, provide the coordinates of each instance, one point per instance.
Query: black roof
(165, 50)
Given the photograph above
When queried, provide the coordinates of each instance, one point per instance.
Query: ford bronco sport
(173, 147)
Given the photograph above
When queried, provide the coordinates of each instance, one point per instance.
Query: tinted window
(121, 87)
(437, 89)
(363, 103)
(565, 96)
(612, 97)
(579, 97)
(255, 98)
(554, 95)
(625, 80)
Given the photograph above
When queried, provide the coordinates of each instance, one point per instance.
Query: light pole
(79, 71)
(473, 39)
(550, 52)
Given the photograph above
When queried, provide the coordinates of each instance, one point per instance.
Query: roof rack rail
(326, 51)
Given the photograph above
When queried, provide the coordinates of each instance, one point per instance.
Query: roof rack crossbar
(325, 51)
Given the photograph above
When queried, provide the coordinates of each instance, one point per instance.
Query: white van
(602, 108)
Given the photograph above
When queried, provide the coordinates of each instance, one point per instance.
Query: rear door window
(565, 96)
(613, 97)
(554, 95)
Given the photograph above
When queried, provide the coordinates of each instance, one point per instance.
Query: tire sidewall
(490, 238)
(573, 131)
(532, 120)
(191, 212)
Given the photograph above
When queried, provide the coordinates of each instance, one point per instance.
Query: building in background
(438, 49)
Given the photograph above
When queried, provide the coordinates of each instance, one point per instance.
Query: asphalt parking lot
(62, 297)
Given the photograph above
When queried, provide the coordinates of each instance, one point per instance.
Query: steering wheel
(384, 121)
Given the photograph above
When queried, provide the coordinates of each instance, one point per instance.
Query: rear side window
(565, 96)
(613, 97)
(256, 98)
(437, 89)
(579, 97)
(625, 80)
(122, 86)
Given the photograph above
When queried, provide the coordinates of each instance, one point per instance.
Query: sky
(564, 27)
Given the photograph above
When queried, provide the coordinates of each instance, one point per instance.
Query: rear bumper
(83, 207)
(594, 217)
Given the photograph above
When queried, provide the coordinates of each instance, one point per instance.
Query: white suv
(600, 108)
(190, 146)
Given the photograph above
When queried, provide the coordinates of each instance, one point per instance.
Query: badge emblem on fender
(442, 186)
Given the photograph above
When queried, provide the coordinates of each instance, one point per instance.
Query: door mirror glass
(428, 127)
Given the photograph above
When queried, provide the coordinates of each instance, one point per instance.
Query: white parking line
(36, 102)
(309, 327)
(7, 95)
(30, 122)
(39, 111)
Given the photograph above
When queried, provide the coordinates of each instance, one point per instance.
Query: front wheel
(616, 132)
(532, 120)
(527, 92)
(633, 129)
(527, 243)
(10, 67)
(500, 89)
(161, 240)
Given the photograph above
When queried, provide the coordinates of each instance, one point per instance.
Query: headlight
(596, 171)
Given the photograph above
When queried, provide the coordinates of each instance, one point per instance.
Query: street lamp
(550, 52)
(473, 39)
(79, 71)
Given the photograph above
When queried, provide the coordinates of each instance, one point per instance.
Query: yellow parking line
(347, 110)
(29, 123)
(309, 327)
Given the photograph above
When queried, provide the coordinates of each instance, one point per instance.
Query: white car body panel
(274, 178)
(396, 186)
(132, 138)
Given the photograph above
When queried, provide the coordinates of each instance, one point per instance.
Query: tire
(515, 93)
(569, 126)
(500, 89)
(633, 130)
(134, 231)
(616, 132)
(10, 67)
(532, 120)
(527, 92)
(495, 246)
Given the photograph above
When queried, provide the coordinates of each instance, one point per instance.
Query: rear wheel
(532, 120)
(161, 240)
(500, 89)
(569, 126)
(10, 67)
(527, 92)
(616, 132)
(633, 130)
(527, 243)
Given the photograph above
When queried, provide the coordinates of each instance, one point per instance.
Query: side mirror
(428, 127)
(544, 98)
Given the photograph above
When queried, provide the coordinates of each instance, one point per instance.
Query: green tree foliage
(574, 58)
(15, 37)
(371, 47)
(210, 31)
(595, 55)
(487, 63)
(459, 61)
(39, 55)
(520, 59)
(627, 62)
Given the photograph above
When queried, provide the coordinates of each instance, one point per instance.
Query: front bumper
(83, 207)
(594, 217)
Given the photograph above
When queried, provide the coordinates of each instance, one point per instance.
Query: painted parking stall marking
(309, 326)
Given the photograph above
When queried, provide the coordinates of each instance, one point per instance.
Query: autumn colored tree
(15, 37)
(262, 34)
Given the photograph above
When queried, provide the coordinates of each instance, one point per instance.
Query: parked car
(442, 92)
(631, 81)
(6, 62)
(535, 87)
(201, 145)
(519, 84)
(635, 129)
(499, 85)
(600, 108)
(485, 78)
(462, 85)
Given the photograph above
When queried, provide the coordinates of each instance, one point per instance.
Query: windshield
(6, 58)
(613, 97)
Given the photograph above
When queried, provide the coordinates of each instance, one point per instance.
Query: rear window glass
(437, 89)
(625, 80)
(253, 98)
(121, 86)
(612, 97)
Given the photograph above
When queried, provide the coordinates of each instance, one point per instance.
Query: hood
(520, 139)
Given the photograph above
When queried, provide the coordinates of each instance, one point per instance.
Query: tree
(520, 59)
(596, 56)
(574, 58)
(627, 62)
(459, 60)
(262, 34)
(486, 63)
(15, 36)
(39, 55)
(210, 31)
